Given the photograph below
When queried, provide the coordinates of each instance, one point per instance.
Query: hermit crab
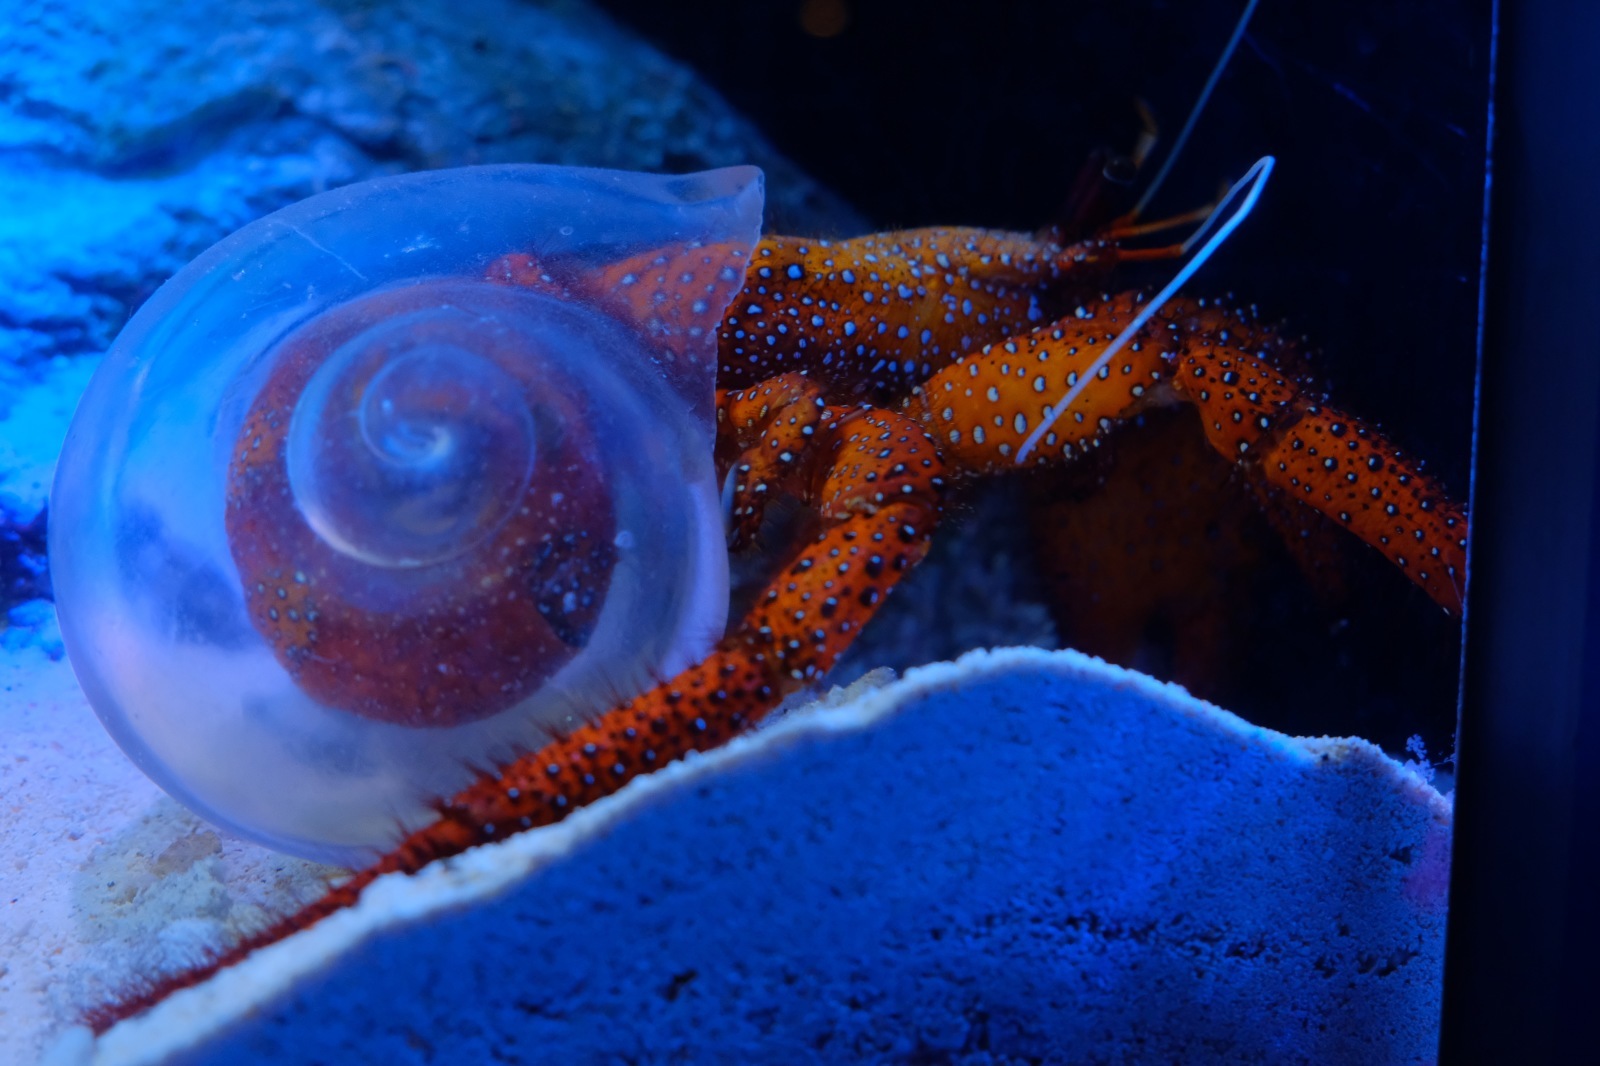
(397, 522)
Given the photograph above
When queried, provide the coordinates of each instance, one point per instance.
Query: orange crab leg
(884, 311)
(877, 480)
(765, 433)
(983, 407)
(1125, 229)
(1320, 455)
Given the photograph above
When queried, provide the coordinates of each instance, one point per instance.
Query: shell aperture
(392, 483)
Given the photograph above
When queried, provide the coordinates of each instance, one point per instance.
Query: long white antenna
(1194, 112)
(1251, 185)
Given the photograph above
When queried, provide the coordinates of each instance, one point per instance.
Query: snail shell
(390, 484)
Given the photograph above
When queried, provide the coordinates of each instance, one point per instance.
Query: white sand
(104, 876)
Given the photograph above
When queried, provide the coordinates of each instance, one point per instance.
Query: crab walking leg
(981, 409)
(877, 480)
(879, 500)
(765, 432)
(888, 309)
(1322, 456)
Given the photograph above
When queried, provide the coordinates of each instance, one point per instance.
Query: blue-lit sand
(1024, 857)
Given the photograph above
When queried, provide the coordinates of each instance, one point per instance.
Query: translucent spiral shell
(388, 485)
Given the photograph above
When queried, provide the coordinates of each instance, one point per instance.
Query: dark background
(1367, 241)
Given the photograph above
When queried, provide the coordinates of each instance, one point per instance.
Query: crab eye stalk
(397, 482)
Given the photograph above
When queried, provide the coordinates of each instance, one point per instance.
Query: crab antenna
(1261, 168)
(1250, 186)
(1194, 112)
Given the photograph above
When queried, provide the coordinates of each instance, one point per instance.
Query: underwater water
(1033, 859)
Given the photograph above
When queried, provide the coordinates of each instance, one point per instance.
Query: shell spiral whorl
(394, 482)
(405, 447)
(452, 531)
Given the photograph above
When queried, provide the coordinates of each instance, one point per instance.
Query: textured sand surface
(105, 878)
(1024, 856)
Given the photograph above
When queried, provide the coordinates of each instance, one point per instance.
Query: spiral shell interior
(388, 485)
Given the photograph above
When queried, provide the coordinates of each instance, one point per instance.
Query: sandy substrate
(104, 877)
(1023, 856)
